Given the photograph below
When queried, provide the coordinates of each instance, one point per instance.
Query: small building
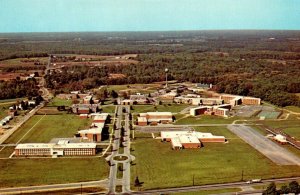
(280, 139)
(142, 121)
(92, 134)
(100, 118)
(158, 117)
(189, 141)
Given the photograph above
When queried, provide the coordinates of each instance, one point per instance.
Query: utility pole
(242, 175)
(193, 180)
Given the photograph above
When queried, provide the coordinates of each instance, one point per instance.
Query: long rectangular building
(155, 117)
(62, 148)
(189, 139)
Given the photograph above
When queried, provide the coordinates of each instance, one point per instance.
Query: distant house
(85, 108)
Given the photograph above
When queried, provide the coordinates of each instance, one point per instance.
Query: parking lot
(273, 151)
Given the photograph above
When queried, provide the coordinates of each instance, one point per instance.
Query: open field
(25, 172)
(6, 151)
(4, 107)
(293, 108)
(108, 109)
(45, 127)
(59, 102)
(135, 88)
(22, 61)
(158, 166)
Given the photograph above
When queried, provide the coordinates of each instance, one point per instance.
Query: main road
(126, 157)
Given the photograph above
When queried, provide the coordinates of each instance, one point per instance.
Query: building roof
(188, 139)
(61, 144)
(176, 142)
(280, 138)
(91, 131)
(159, 113)
(34, 145)
(101, 117)
(142, 119)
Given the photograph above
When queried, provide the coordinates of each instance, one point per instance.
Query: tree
(294, 187)
(137, 182)
(271, 190)
(284, 189)
(114, 94)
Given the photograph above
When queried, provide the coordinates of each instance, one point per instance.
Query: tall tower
(166, 71)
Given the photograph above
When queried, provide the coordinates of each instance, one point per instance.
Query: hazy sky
(146, 15)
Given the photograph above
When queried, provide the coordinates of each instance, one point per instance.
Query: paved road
(32, 189)
(268, 148)
(22, 121)
(217, 186)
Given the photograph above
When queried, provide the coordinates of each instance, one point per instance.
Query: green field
(6, 151)
(203, 119)
(293, 108)
(4, 107)
(59, 102)
(293, 131)
(108, 109)
(26, 172)
(48, 127)
(158, 166)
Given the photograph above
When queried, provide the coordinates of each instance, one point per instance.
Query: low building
(199, 110)
(100, 118)
(93, 134)
(189, 139)
(85, 108)
(142, 121)
(139, 99)
(280, 139)
(251, 101)
(62, 148)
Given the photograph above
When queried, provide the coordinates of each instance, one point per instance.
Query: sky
(147, 15)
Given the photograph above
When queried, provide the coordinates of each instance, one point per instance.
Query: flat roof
(142, 119)
(53, 145)
(159, 113)
(176, 142)
(91, 131)
(188, 139)
(34, 146)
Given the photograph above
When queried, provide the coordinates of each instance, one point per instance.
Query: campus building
(85, 108)
(61, 148)
(153, 118)
(220, 110)
(189, 139)
(94, 133)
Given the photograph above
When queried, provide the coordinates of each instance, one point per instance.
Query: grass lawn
(293, 108)
(59, 102)
(293, 131)
(204, 119)
(6, 151)
(3, 109)
(158, 166)
(205, 192)
(291, 127)
(48, 127)
(25, 172)
(108, 109)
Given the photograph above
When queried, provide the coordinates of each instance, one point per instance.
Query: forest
(263, 64)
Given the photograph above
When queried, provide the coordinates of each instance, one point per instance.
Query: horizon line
(149, 31)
